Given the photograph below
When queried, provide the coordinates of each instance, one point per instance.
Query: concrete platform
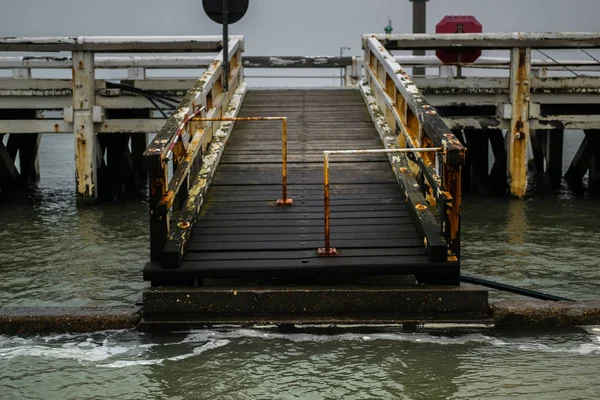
(172, 308)
(40, 320)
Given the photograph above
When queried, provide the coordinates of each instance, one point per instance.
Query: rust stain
(452, 183)
(520, 127)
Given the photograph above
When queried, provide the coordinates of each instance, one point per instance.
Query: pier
(323, 205)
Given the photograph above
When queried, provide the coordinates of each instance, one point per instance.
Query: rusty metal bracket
(284, 201)
(332, 251)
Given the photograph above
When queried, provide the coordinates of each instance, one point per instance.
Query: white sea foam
(119, 349)
(213, 344)
(204, 335)
(87, 353)
(131, 363)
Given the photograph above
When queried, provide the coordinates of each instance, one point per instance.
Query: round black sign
(214, 10)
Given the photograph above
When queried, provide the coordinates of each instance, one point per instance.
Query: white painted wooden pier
(529, 108)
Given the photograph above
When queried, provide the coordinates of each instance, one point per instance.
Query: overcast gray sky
(286, 27)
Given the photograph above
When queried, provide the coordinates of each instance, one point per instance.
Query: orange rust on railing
(332, 251)
(284, 201)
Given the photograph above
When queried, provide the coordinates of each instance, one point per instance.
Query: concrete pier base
(512, 314)
(42, 320)
(545, 314)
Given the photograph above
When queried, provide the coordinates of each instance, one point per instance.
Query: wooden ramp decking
(241, 233)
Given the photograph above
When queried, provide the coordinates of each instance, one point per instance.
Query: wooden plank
(299, 254)
(299, 237)
(272, 196)
(304, 216)
(386, 266)
(304, 222)
(386, 187)
(376, 167)
(250, 178)
(306, 203)
(308, 244)
(201, 229)
(296, 62)
(300, 209)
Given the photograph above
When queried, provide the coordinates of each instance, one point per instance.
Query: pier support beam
(580, 164)
(86, 143)
(518, 134)
(586, 159)
(28, 145)
(139, 142)
(593, 139)
(553, 150)
(9, 175)
(477, 156)
(497, 177)
(537, 141)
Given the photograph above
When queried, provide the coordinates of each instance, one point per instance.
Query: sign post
(225, 12)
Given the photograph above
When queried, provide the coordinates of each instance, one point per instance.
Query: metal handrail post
(332, 251)
(284, 201)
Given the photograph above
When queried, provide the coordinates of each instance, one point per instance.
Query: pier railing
(101, 119)
(184, 141)
(430, 180)
(525, 101)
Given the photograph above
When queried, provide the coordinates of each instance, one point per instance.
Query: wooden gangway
(304, 184)
(242, 232)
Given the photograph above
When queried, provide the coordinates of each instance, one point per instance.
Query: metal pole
(225, 46)
(284, 201)
(332, 251)
(327, 250)
(419, 26)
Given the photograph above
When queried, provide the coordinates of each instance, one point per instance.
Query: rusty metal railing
(332, 251)
(284, 201)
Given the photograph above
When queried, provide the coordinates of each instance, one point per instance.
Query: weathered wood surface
(547, 40)
(242, 233)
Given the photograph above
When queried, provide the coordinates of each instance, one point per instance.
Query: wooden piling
(553, 150)
(518, 134)
(497, 176)
(580, 164)
(593, 139)
(28, 145)
(9, 175)
(537, 140)
(478, 154)
(466, 169)
(130, 180)
(86, 143)
(114, 164)
(139, 142)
